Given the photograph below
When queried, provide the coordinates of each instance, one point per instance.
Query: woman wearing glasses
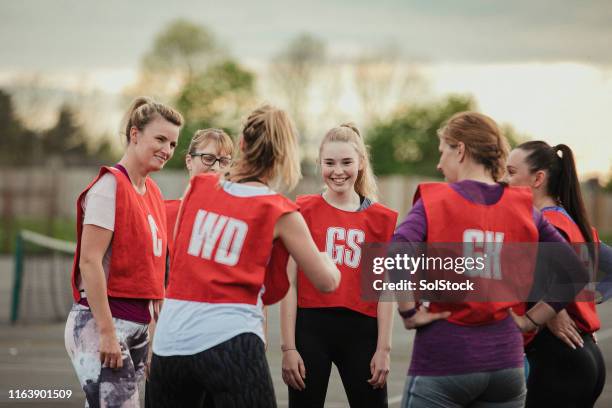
(210, 150)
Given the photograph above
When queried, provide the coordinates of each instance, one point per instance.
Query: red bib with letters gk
(138, 259)
(453, 219)
(341, 234)
(583, 313)
(224, 243)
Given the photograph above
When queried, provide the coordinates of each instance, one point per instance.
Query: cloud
(73, 34)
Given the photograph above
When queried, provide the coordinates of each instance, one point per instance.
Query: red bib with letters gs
(223, 243)
(453, 219)
(583, 313)
(341, 234)
(138, 259)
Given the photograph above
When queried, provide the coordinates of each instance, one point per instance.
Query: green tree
(408, 142)
(608, 186)
(179, 53)
(215, 98)
(66, 139)
(17, 143)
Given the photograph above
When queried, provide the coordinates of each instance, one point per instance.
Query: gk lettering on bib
(483, 230)
(485, 244)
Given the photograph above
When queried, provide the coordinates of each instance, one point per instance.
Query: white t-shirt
(187, 327)
(99, 209)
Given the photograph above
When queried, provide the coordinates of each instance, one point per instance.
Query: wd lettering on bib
(486, 244)
(341, 255)
(212, 231)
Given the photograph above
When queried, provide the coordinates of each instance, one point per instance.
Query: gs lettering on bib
(138, 259)
(224, 244)
(344, 246)
(483, 229)
(341, 234)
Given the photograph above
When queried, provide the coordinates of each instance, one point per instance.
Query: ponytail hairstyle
(143, 111)
(562, 181)
(365, 185)
(203, 136)
(269, 149)
(483, 140)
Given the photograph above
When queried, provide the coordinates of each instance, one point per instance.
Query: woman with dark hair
(566, 365)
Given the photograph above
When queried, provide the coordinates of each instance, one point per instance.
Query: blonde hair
(483, 140)
(218, 136)
(144, 110)
(269, 149)
(365, 185)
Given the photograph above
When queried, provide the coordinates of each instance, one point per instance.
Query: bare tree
(383, 81)
(293, 71)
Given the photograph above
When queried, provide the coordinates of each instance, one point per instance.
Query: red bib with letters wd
(224, 244)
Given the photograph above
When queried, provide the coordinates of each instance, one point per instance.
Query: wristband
(407, 314)
(283, 349)
(531, 320)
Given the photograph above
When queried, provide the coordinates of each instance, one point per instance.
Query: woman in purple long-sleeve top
(479, 363)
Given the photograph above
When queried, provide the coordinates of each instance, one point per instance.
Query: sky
(543, 66)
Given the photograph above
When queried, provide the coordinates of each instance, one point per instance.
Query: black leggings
(346, 338)
(233, 374)
(562, 377)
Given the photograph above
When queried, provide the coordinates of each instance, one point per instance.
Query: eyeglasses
(210, 159)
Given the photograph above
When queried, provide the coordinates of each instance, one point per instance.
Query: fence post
(17, 278)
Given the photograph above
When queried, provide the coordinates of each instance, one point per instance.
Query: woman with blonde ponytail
(120, 260)
(340, 328)
(209, 342)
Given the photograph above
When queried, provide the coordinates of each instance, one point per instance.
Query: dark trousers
(562, 377)
(233, 374)
(342, 337)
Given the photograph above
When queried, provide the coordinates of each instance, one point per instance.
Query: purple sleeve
(414, 226)
(547, 232)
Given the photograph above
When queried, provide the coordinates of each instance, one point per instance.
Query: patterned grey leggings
(105, 386)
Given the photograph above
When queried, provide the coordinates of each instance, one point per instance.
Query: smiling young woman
(120, 260)
(340, 328)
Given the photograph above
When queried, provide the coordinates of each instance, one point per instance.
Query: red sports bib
(223, 243)
(583, 313)
(453, 219)
(138, 259)
(341, 234)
